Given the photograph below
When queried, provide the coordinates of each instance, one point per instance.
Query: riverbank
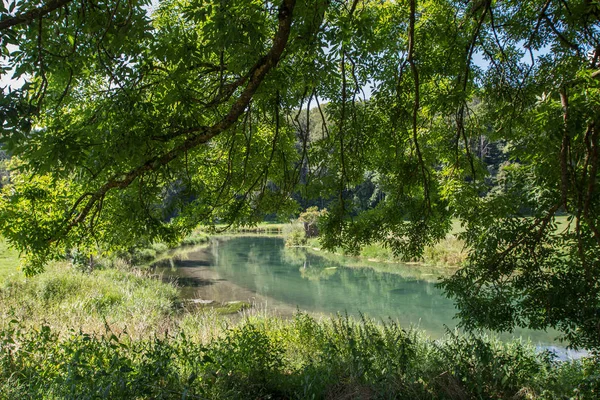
(123, 333)
(449, 254)
(444, 257)
(115, 294)
(411, 270)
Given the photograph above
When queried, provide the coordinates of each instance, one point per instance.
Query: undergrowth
(268, 358)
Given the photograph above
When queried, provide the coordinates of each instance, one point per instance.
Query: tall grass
(450, 252)
(65, 298)
(269, 358)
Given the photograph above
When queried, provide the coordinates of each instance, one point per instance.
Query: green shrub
(271, 358)
(294, 234)
(310, 220)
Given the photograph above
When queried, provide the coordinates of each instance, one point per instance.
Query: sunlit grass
(9, 260)
(63, 298)
(60, 328)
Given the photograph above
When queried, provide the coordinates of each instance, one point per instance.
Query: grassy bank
(269, 228)
(269, 358)
(419, 271)
(64, 298)
(141, 254)
(113, 294)
(147, 252)
(450, 253)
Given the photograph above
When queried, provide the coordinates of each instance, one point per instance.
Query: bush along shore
(270, 358)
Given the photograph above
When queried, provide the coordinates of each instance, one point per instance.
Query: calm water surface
(260, 270)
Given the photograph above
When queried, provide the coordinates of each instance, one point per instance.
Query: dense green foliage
(133, 126)
(270, 358)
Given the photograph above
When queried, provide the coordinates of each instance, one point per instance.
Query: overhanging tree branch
(33, 14)
(202, 134)
(416, 105)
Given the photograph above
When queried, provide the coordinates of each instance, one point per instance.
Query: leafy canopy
(135, 125)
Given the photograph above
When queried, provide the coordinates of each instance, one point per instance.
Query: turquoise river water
(279, 280)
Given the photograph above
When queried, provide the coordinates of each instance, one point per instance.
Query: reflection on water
(262, 271)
